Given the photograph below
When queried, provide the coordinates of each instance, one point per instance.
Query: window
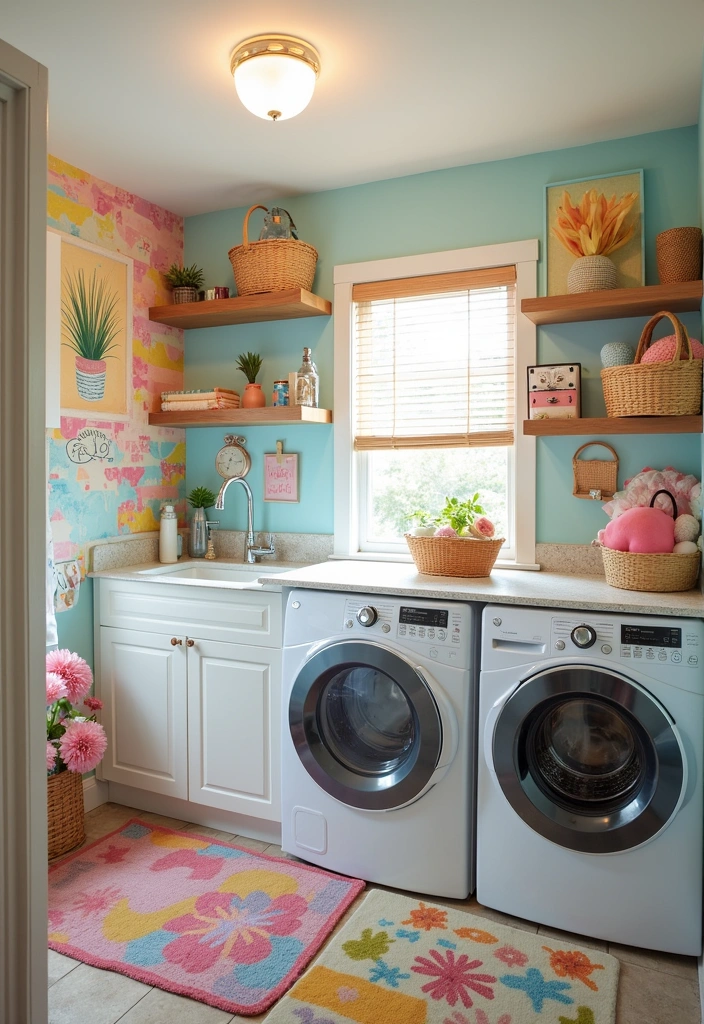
(427, 402)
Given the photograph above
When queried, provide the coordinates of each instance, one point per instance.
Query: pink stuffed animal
(646, 530)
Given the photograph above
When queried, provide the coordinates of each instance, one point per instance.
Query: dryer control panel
(630, 641)
(439, 631)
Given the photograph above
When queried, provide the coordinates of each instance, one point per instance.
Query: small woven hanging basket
(273, 264)
(595, 475)
(65, 809)
(655, 573)
(453, 556)
(656, 389)
(679, 255)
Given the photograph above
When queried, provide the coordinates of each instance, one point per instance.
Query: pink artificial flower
(482, 528)
(74, 671)
(55, 687)
(51, 755)
(82, 746)
(93, 703)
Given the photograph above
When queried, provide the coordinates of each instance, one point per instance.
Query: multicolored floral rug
(196, 916)
(401, 961)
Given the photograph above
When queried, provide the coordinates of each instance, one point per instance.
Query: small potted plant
(199, 499)
(91, 322)
(250, 364)
(185, 282)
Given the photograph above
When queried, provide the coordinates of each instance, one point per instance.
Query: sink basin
(215, 573)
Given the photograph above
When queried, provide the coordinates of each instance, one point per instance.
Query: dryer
(590, 778)
(378, 753)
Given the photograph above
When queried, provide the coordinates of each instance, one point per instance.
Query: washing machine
(378, 751)
(590, 775)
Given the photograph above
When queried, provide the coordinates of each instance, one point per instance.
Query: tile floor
(654, 988)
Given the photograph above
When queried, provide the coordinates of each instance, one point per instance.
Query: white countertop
(162, 573)
(504, 586)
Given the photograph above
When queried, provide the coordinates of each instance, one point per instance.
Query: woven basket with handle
(65, 807)
(656, 389)
(656, 573)
(594, 474)
(454, 556)
(273, 264)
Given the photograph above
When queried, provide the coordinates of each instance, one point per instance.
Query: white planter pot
(90, 378)
(591, 274)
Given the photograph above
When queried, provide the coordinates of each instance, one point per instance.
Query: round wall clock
(233, 459)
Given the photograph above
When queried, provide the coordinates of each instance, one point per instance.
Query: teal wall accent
(456, 208)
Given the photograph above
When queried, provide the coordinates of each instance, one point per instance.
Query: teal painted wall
(460, 207)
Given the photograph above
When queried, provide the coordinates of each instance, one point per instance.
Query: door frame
(23, 837)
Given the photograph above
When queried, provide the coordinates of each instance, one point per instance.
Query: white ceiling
(141, 93)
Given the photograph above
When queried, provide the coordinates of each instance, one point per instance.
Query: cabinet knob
(175, 641)
(190, 643)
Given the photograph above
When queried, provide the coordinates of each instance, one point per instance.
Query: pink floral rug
(194, 915)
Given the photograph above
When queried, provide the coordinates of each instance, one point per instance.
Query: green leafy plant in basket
(250, 363)
(460, 514)
(184, 277)
(201, 497)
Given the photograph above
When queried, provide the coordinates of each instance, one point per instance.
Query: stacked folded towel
(186, 401)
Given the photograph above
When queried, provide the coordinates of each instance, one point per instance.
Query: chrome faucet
(251, 551)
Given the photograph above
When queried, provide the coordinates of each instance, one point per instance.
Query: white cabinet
(197, 718)
(143, 687)
(234, 694)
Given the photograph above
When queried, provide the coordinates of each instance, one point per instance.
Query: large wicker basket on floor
(65, 807)
(454, 556)
(656, 389)
(273, 264)
(657, 574)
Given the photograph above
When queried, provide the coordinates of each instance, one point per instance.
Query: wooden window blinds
(434, 360)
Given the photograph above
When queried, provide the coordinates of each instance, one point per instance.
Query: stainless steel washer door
(365, 725)
(588, 759)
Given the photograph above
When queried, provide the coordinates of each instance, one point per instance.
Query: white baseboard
(95, 793)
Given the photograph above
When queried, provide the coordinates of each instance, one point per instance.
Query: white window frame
(524, 256)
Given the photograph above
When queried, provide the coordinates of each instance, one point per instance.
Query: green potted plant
(199, 499)
(91, 322)
(250, 364)
(185, 282)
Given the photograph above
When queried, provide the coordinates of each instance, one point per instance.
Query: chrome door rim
(648, 810)
(367, 792)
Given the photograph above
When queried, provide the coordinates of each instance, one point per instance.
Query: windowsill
(380, 556)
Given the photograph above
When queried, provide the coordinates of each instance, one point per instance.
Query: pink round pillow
(662, 351)
(645, 530)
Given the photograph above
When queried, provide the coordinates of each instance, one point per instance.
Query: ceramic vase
(591, 274)
(253, 397)
(90, 378)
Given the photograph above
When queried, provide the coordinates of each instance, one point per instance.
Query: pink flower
(93, 703)
(55, 687)
(51, 754)
(511, 956)
(82, 746)
(74, 671)
(482, 528)
(454, 977)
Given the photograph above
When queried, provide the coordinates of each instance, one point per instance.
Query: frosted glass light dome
(275, 75)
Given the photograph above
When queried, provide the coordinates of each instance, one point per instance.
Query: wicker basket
(65, 807)
(679, 255)
(272, 265)
(595, 475)
(454, 556)
(656, 389)
(655, 573)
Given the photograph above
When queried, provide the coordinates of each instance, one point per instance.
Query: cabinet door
(143, 686)
(234, 692)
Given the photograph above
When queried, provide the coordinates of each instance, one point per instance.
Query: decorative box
(554, 391)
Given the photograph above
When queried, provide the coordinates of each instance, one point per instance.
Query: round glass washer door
(365, 725)
(588, 759)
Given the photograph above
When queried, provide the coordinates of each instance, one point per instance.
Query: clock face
(232, 461)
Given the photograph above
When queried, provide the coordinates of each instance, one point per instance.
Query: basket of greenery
(458, 541)
(250, 363)
(185, 282)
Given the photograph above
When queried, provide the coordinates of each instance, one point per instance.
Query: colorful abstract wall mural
(110, 477)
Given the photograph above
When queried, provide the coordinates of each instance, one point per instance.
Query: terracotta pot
(591, 274)
(253, 397)
(90, 378)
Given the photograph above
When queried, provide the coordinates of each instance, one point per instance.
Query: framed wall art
(555, 391)
(281, 475)
(92, 325)
(622, 193)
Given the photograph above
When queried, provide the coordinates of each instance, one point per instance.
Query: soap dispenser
(168, 534)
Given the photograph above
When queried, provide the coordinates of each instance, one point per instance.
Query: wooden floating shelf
(682, 297)
(243, 309)
(269, 416)
(614, 425)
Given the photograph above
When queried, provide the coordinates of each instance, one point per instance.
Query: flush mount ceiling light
(275, 75)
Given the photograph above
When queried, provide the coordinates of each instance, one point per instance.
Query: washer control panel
(429, 628)
(628, 641)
